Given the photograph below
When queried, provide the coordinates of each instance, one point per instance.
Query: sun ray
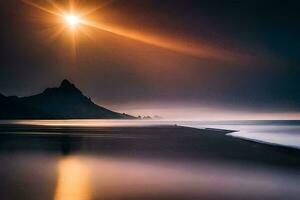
(73, 17)
(191, 50)
(92, 10)
(72, 5)
(28, 2)
(56, 6)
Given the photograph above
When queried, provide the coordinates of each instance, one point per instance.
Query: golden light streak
(49, 11)
(74, 180)
(188, 49)
(74, 16)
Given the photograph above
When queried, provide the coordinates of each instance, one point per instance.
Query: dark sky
(251, 53)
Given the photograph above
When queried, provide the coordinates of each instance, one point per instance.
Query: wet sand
(154, 142)
(154, 162)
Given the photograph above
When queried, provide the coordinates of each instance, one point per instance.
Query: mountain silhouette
(63, 102)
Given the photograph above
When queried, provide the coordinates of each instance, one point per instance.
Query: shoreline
(228, 133)
(265, 142)
(165, 142)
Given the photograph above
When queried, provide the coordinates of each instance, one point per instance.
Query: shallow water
(94, 166)
(286, 133)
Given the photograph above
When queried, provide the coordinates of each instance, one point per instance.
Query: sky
(182, 59)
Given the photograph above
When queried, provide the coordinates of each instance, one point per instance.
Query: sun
(72, 20)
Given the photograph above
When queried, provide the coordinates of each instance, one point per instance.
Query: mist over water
(277, 132)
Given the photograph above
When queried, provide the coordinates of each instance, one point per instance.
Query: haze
(180, 59)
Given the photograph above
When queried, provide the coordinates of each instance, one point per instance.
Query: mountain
(63, 102)
(10, 109)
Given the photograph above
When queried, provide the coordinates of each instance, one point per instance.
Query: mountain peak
(66, 83)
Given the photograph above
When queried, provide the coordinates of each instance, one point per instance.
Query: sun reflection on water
(73, 180)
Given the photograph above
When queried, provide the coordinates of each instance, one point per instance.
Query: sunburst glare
(72, 20)
(75, 14)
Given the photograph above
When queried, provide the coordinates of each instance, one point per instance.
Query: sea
(33, 169)
(273, 132)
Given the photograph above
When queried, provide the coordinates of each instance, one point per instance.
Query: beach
(142, 162)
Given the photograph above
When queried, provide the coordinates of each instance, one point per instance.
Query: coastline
(265, 142)
(163, 141)
(175, 162)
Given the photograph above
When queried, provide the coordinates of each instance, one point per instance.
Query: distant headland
(63, 102)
